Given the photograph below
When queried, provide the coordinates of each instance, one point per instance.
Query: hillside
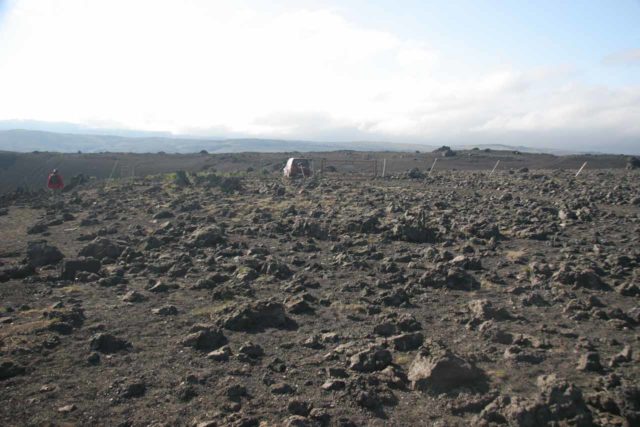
(20, 140)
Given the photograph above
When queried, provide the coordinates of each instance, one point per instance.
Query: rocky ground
(456, 299)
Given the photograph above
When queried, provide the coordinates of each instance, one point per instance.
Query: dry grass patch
(403, 359)
(350, 308)
(516, 256)
(210, 310)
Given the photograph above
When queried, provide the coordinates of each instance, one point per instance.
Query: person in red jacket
(55, 183)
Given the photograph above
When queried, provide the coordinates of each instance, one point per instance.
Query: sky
(560, 74)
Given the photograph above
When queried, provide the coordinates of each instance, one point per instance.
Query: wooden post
(384, 167)
(494, 168)
(433, 166)
(582, 167)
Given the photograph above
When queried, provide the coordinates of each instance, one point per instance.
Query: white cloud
(230, 68)
(626, 57)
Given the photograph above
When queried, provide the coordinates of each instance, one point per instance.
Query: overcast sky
(544, 73)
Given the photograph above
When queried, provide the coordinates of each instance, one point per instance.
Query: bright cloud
(231, 68)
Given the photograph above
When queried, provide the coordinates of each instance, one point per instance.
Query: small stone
(299, 407)
(334, 385)
(186, 392)
(93, 359)
(296, 421)
(407, 342)
(337, 372)
(67, 408)
(251, 350)
(590, 361)
(205, 339)
(320, 415)
(624, 356)
(9, 369)
(133, 296)
(107, 343)
(236, 391)
(167, 310)
(282, 388)
(385, 329)
(131, 390)
(220, 355)
(368, 399)
(47, 388)
(373, 359)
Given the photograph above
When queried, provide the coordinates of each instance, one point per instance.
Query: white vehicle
(297, 167)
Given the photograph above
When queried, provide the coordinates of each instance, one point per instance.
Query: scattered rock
(299, 407)
(71, 267)
(133, 296)
(9, 369)
(407, 342)
(220, 355)
(204, 338)
(372, 359)
(209, 236)
(167, 310)
(101, 248)
(254, 316)
(590, 361)
(107, 343)
(250, 350)
(282, 388)
(41, 253)
(436, 367)
(334, 385)
(67, 408)
(132, 390)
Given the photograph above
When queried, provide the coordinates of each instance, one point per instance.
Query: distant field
(29, 170)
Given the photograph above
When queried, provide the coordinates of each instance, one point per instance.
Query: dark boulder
(107, 343)
(71, 267)
(101, 248)
(40, 253)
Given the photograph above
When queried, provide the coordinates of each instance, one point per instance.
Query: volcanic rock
(372, 359)
(204, 338)
(257, 315)
(107, 343)
(41, 253)
(101, 248)
(71, 267)
(436, 367)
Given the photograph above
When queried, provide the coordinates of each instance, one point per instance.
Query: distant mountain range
(29, 140)
(27, 136)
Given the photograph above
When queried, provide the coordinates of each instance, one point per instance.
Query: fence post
(582, 167)
(433, 166)
(384, 167)
(113, 170)
(494, 168)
